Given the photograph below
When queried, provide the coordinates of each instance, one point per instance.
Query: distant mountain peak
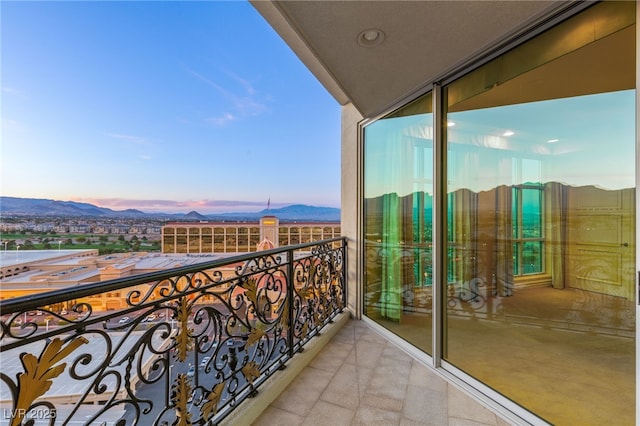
(15, 206)
(194, 215)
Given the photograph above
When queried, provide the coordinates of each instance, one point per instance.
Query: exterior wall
(351, 205)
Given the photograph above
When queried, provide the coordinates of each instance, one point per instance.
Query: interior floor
(554, 352)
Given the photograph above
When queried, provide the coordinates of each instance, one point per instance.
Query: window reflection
(398, 225)
(540, 221)
(541, 226)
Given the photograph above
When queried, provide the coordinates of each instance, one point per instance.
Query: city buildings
(489, 175)
(242, 237)
(26, 272)
(30, 272)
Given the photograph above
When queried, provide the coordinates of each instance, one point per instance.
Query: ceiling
(423, 41)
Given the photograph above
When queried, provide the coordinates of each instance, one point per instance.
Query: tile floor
(360, 378)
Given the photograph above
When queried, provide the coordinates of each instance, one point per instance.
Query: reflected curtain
(504, 241)
(555, 217)
(465, 205)
(397, 212)
(391, 279)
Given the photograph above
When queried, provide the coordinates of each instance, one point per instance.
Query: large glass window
(539, 229)
(398, 182)
(541, 220)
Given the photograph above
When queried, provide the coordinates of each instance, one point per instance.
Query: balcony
(261, 338)
(361, 378)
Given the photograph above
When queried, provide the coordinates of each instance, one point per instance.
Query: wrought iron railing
(186, 346)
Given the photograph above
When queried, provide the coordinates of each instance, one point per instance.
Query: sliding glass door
(539, 240)
(398, 179)
(541, 221)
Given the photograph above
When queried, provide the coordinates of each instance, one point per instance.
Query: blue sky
(161, 106)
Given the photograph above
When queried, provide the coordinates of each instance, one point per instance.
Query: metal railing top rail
(29, 302)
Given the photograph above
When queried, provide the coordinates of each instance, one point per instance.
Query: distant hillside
(45, 207)
(292, 212)
(14, 206)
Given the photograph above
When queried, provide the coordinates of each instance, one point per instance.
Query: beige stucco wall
(350, 203)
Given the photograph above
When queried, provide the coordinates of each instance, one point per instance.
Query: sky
(161, 106)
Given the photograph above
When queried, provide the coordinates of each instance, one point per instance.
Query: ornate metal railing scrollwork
(186, 345)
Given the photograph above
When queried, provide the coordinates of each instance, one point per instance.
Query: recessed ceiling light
(371, 37)
(553, 140)
(508, 133)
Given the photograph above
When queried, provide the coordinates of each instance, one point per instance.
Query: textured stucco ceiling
(424, 40)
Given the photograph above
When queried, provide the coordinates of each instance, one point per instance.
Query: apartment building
(242, 237)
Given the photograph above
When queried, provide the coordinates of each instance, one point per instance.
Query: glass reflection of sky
(594, 144)
(594, 139)
(390, 151)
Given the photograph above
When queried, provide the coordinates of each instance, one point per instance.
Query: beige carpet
(566, 355)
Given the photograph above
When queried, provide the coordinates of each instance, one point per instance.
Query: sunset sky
(161, 106)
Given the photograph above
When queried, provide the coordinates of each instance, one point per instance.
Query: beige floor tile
(462, 406)
(454, 421)
(360, 378)
(367, 353)
(332, 357)
(275, 416)
(424, 422)
(370, 336)
(370, 416)
(301, 395)
(381, 402)
(325, 414)
(342, 390)
(422, 376)
(422, 403)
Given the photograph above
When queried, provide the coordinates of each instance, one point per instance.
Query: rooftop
(18, 257)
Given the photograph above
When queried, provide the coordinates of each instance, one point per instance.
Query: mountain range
(15, 206)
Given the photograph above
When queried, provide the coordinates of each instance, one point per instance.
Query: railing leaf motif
(251, 371)
(184, 343)
(251, 291)
(180, 398)
(210, 405)
(39, 373)
(254, 336)
(305, 331)
(284, 315)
